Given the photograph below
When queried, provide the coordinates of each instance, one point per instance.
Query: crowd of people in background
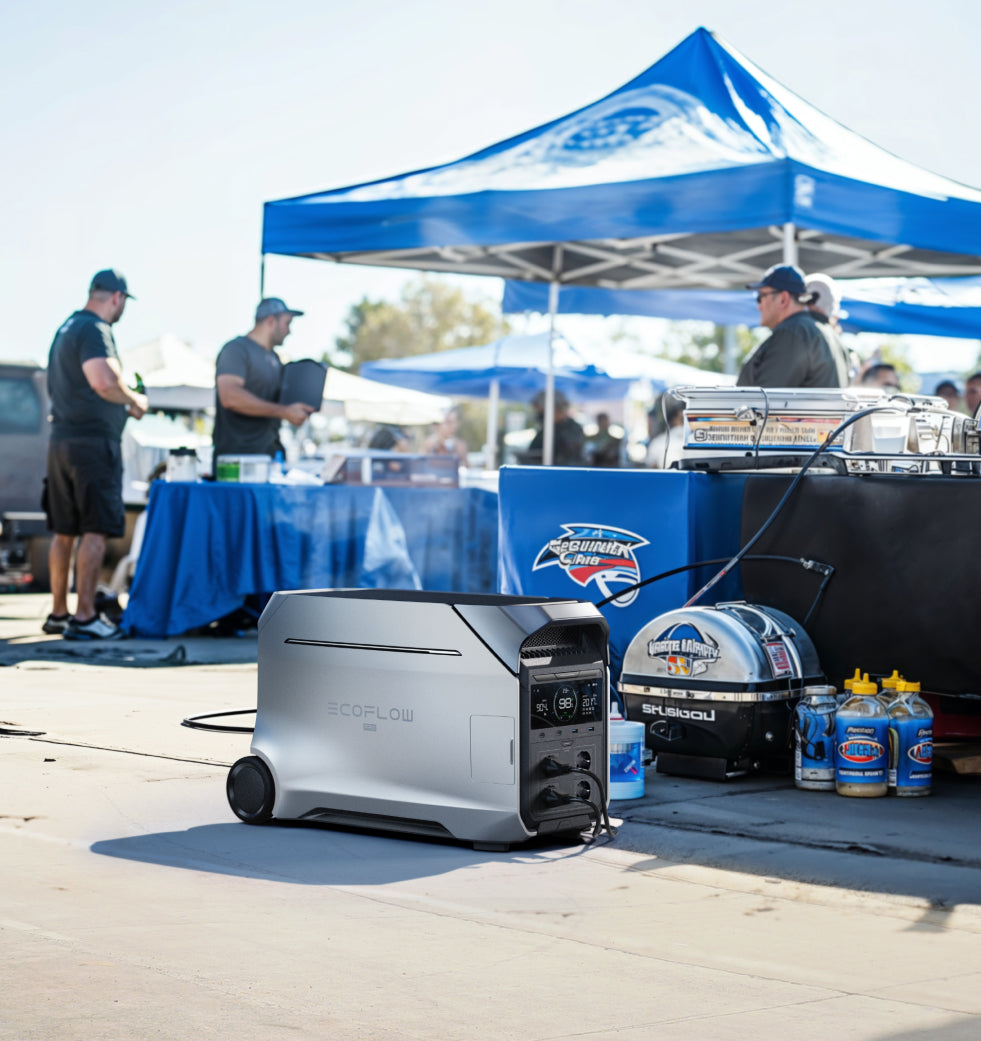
(90, 403)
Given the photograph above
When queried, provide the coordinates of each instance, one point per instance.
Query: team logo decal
(683, 650)
(861, 751)
(922, 753)
(595, 553)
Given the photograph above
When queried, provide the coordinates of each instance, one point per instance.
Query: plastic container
(910, 743)
(862, 743)
(182, 465)
(242, 469)
(626, 759)
(814, 739)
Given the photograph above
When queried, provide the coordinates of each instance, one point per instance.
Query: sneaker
(56, 623)
(95, 629)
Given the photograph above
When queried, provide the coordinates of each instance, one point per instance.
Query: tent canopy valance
(892, 306)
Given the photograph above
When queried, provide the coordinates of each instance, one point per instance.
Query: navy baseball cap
(785, 278)
(110, 281)
(272, 305)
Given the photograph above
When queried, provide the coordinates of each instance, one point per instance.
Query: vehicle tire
(250, 789)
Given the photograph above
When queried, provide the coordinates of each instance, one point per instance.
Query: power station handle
(667, 731)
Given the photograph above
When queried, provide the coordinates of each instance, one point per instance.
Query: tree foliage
(431, 315)
(703, 345)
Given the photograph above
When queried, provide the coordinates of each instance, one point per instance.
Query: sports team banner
(589, 534)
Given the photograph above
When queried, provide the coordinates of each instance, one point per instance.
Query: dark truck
(24, 429)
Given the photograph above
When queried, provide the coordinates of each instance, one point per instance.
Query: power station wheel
(250, 790)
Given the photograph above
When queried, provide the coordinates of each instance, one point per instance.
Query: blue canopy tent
(920, 306)
(700, 172)
(516, 367)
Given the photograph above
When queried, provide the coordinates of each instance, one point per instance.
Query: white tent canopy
(175, 375)
(369, 401)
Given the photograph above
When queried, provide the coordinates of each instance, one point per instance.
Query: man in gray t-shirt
(247, 379)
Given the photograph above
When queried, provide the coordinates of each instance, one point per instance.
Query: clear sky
(147, 136)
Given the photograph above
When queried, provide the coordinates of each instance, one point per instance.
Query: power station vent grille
(562, 641)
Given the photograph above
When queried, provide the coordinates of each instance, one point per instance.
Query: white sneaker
(95, 629)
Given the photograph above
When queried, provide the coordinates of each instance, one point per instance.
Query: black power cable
(809, 565)
(551, 767)
(820, 450)
(743, 554)
(194, 722)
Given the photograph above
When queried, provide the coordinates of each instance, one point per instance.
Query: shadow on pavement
(964, 1028)
(311, 854)
(764, 826)
(131, 653)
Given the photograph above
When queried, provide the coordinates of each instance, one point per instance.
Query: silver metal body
(918, 434)
(407, 711)
(716, 686)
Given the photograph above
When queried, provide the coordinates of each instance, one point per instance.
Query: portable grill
(716, 687)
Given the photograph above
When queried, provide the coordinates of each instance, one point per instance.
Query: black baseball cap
(110, 281)
(785, 278)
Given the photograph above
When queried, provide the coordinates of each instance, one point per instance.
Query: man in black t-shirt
(248, 374)
(83, 491)
(569, 441)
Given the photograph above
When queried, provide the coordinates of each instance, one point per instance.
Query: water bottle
(910, 742)
(861, 743)
(277, 469)
(814, 744)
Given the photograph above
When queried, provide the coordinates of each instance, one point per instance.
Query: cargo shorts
(84, 489)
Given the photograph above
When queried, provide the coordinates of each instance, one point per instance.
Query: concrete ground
(134, 905)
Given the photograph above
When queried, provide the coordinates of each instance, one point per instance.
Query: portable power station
(480, 718)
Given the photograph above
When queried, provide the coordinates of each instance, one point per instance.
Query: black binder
(303, 381)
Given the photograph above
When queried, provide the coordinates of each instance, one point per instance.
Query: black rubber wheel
(250, 790)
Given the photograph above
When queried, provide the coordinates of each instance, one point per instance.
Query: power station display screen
(563, 703)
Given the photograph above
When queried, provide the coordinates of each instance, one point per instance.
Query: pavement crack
(131, 751)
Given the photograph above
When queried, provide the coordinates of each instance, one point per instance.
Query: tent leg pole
(548, 432)
(490, 449)
(790, 243)
(729, 350)
(262, 277)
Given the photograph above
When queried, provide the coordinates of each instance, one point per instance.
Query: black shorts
(84, 489)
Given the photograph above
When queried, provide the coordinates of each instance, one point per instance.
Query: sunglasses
(767, 292)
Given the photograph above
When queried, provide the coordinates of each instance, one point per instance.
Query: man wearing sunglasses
(800, 352)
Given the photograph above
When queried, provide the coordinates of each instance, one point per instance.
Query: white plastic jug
(626, 759)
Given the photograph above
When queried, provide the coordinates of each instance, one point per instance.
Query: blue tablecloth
(588, 534)
(209, 545)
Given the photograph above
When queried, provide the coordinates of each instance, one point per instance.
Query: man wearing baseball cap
(83, 494)
(248, 374)
(800, 352)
